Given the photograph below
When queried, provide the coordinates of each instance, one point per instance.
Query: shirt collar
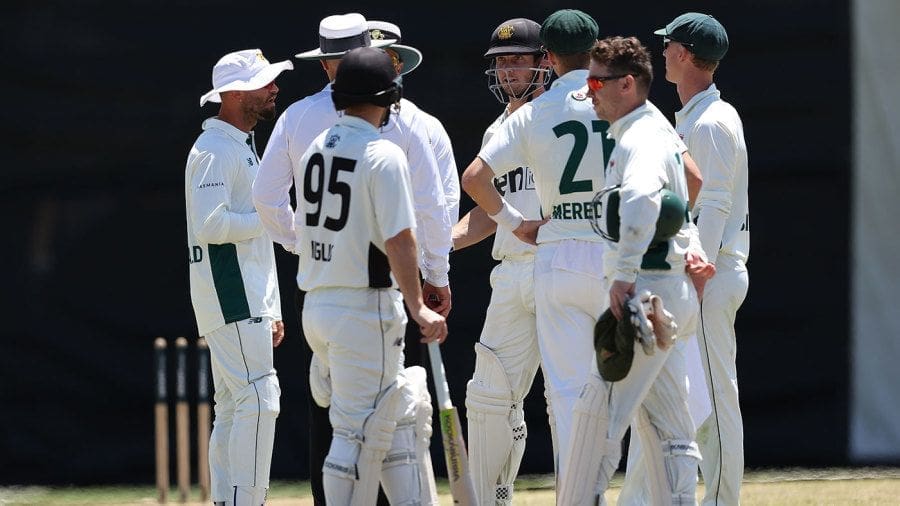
(573, 78)
(620, 125)
(356, 122)
(712, 91)
(229, 129)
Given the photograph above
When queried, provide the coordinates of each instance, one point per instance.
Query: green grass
(767, 487)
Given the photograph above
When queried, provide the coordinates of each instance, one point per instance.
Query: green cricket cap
(569, 31)
(701, 33)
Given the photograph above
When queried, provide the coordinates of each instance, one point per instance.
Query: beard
(267, 113)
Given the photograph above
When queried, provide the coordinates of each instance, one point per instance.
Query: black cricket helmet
(366, 75)
(513, 37)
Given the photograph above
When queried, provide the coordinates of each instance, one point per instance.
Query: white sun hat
(245, 70)
(410, 56)
(341, 33)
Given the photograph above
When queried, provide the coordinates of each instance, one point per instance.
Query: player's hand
(438, 299)
(619, 293)
(699, 270)
(527, 231)
(277, 333)
(432, 325)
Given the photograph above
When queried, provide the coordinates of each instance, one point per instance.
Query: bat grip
(440, 378)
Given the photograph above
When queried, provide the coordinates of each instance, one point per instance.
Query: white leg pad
(497, 429)
(247, 496)
(592, 456)
(681, 458)
(339, 473)
(319, 382)
(646, 480)
(407, 473)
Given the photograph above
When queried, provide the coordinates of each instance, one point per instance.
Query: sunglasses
(667, 40)
(597, 82)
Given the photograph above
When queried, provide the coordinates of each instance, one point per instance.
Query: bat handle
(440, 378)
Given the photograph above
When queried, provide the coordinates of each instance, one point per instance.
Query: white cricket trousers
(246, 407)
(509, 325)
(358, 335)
(721, 436)
(569, 296)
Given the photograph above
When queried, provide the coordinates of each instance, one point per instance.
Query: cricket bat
(462, 488)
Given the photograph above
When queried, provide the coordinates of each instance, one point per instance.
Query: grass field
(771, 487)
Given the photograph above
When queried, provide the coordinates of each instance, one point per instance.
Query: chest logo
(332, 141)
(579, 96)
(249, 162)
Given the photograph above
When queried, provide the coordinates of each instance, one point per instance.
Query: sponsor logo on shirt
(250, 162)
(210, 185)
(579, 96)
(519, 179)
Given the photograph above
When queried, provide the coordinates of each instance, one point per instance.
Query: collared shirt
(341, 234)
(295, 130)
(559, 137)
(232, 265)
(517, 187)
(446, 161)
(714, 133)
(646, 159)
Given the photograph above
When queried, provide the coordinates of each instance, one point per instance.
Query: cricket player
(234, 287)
(357, 244)
(647, 159)
(293, 133)
(559, 138)
(694, 44)
(506, 356)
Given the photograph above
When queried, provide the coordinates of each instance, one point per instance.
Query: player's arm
(473, 228)
(443, 154)
(401, 251)
(693, 176)
(270, 190)
(212, 219)
(715, 150)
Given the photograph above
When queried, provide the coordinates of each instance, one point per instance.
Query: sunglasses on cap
(597, 82)
(667, 40)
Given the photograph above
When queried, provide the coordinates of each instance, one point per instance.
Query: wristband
(508, 217)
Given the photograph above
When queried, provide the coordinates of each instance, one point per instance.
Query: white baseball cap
(341, 33)
(245, 70)
(410, 56)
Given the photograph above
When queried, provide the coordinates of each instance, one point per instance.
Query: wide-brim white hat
(245, 70)
(410, 56)
(341, 33)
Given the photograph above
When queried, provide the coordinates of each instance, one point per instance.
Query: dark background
(101, 108)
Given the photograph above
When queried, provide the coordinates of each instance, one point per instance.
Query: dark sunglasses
(667, 40)
(597, 82)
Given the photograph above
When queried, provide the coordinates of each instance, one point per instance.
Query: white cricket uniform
(446, 161)
(234, 291)
(646, 159)
(507, 356)
(294, 132)
(714, 133)
(559, 137)
(353, 315)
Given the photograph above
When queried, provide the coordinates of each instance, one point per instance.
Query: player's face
(602, 97)
(514, 72)
(261, 103)
(674, 53)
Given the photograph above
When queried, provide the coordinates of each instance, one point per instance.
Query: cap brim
(662, 31)
(317, 54)
(410, 56)
(501, 50)
(264, 77)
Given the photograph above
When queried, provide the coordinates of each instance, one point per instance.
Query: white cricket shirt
(646, 159)
(232, 265)
(295, 130)
(559, 137)
(714, 134)
(517, 187)
(352, 195)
